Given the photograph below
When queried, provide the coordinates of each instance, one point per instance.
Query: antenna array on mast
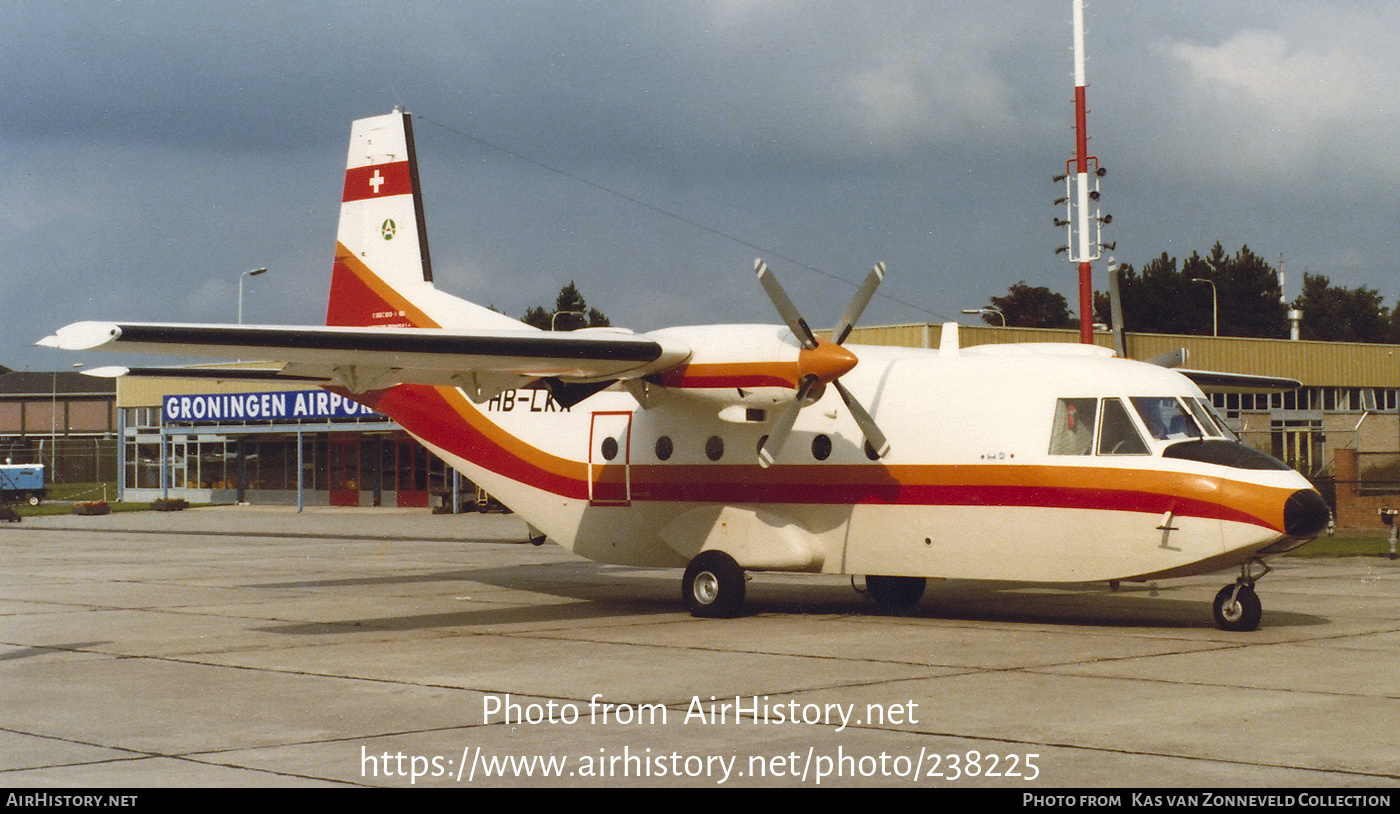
(1083, 221)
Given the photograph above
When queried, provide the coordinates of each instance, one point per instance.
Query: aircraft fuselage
(971, 487)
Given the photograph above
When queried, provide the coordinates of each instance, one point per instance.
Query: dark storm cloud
(156, 150)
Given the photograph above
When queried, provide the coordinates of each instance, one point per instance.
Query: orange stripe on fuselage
(734, 374)
(445, 418)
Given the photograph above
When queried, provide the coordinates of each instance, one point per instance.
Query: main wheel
(714, 585)
(895, 592)
(1240, 613)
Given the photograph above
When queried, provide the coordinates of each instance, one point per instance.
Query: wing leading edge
(1211, 381)
(362, 359)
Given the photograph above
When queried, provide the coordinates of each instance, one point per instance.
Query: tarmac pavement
(258, 646)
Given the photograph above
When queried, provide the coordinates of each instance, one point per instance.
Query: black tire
(895, 592)
(713, 587)
(1242, 614)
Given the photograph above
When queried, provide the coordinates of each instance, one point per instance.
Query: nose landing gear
(1237, 607)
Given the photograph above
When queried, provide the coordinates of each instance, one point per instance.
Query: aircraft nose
(1305, 514)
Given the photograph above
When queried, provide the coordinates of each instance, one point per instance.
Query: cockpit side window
(1117, 435)
(1165, 418)
(1073, 432)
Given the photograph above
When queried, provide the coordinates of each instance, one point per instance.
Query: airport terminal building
(268, 442)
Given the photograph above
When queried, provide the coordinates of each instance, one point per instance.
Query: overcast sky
(650, 150)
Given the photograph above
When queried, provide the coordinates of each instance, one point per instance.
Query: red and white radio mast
(1082, 220)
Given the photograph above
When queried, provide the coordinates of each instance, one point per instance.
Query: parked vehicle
(22, 482)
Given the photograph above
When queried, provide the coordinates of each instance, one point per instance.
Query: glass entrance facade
(366, 461)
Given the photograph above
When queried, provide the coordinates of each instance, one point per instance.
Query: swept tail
(383, 273)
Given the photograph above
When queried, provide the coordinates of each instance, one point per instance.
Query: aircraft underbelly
(1021, 543)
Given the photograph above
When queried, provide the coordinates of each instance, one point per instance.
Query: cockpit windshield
(1166, 419)
(1088, 426)
(1195, 432)
(1207, 415)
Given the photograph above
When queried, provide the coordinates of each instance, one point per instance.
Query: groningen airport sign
(280, 405)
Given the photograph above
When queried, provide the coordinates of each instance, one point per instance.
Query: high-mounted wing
(1212, 381)
(368, 358)
(1215, 381)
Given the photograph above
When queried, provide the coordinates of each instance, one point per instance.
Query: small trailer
(22, 482)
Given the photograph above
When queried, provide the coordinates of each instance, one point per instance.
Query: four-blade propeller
(820, 362)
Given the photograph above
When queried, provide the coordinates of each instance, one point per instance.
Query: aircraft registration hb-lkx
(734, 448)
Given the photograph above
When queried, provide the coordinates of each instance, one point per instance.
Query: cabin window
(821, 447)
(609, 448)
(714, 448)
(664, 448)
(1117, 435)
(1166, 419)
(1073, 433)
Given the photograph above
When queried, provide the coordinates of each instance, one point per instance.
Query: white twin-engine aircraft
(733, 448)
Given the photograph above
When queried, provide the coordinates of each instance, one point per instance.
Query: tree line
(570, 313)
(1232, 295)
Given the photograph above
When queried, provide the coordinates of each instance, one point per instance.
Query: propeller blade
(858, 303)
(873, 436)
(786, 309)
(769, 452)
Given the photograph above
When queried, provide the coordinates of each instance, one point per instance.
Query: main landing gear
(713, 586)
(1237, 606)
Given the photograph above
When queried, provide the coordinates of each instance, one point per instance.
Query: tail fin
(382, 274)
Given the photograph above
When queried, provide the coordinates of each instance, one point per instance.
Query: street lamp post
(53, 429)
(241, 277)
(553, 326)
(988, 310)
(1214, 306)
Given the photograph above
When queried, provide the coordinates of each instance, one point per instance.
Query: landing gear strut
(1237, 606)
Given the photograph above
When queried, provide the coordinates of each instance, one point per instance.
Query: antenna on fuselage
(948, 340)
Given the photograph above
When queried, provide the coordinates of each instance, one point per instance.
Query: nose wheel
(1237, 607)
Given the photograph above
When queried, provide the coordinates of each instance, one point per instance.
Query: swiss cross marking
(376, 181)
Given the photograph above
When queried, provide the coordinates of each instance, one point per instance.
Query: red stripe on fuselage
(360, 298)
(377, 181)
(456, 427)
(425, 412)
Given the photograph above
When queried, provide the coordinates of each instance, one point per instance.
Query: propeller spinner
(820, 362)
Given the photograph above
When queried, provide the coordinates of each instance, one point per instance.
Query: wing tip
(81, 336)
